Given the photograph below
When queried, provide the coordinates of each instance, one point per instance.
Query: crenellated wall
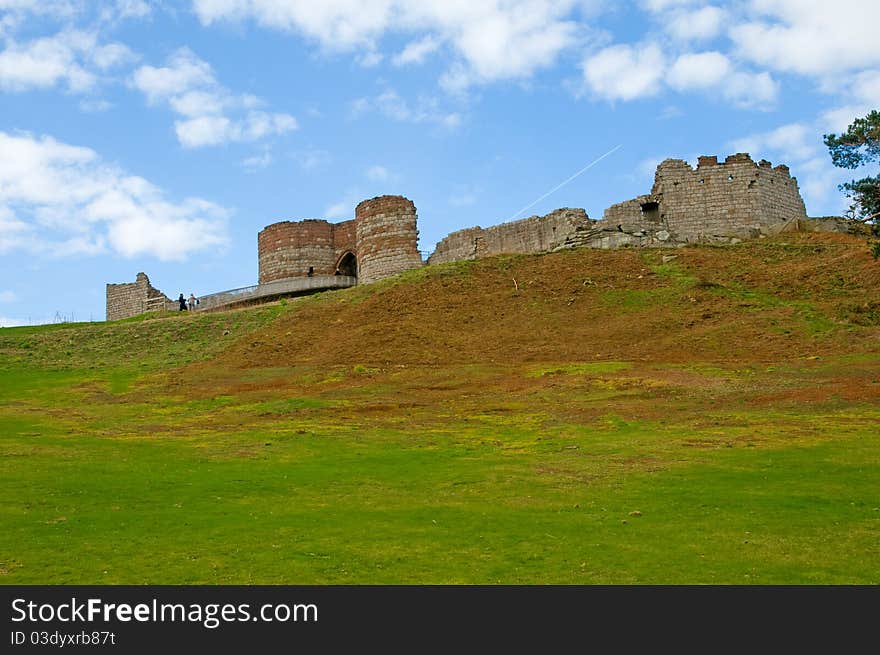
(387, 237)
(529, 235)
(133, 298)
(713, 201)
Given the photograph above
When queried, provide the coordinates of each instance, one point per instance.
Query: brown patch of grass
(756, 302)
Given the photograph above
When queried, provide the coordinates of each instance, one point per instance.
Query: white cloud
(799, 145)
(699, 71)
(211, 115)
(339, 210)
(863, 93)
(256, 162)
(866, 86)
(184, 71)
(493, 40)
(751, 90)
(658, 6)
(416, 51)
(58, 9)
(794, 142)
(370, 59)
(71, 58)
(10, 322)
(61, 200)
(701, 24)
(391, 105)
(123, 9)
(838, 119)
(205, 131)
(811, 37)
(64, 10)
(623, 72)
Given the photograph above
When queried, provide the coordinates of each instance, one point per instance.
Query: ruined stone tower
(381, 241)
(387, 238)
(712, 201)
(290, 248)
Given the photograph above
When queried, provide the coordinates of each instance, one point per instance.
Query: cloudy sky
(161, 136)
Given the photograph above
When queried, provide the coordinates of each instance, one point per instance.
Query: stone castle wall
(733, 199)
(383, 238)
(714, 202)
(288, 249)
(344, 241)
(133, 298)
(387, 237)
(529, 235)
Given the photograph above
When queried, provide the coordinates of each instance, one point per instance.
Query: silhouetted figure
(311, 272)
(182, 302)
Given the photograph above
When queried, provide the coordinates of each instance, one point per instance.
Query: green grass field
(158, 452)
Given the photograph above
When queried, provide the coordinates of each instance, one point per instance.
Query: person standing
(192, 303)
(182, 302)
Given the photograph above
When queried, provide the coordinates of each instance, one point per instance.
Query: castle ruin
(381, 241)
(715, 202)
(133, 298)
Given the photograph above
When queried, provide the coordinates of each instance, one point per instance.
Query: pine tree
(857, 147)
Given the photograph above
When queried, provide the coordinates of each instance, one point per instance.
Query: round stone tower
(387, 238)
(291, 249)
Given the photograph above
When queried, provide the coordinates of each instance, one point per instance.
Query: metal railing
(277, 288)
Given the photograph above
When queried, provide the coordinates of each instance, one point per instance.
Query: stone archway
(347, 264)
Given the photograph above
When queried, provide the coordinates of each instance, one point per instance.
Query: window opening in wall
(730, 178)
(651, 211)
(702, 181)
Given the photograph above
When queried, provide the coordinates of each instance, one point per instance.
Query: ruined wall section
(781, 199)
(529, 235)
(729, 199)
(289, 248)
(133, 298)
(457, 246)
(714, 202)
(629, 216)
(387, 237)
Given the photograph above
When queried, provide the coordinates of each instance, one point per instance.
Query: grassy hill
(703, 415)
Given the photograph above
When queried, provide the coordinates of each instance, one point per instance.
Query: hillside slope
(794, 296)
(579, 417)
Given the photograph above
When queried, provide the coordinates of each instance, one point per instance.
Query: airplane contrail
(559, 186)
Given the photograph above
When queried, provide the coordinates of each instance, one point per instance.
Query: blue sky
(161, 136)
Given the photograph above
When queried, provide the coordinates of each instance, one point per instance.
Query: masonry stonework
(387, 238)
(714, 202)
(529, 235)
(382, 240)
(290, 249)
(133, 298)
